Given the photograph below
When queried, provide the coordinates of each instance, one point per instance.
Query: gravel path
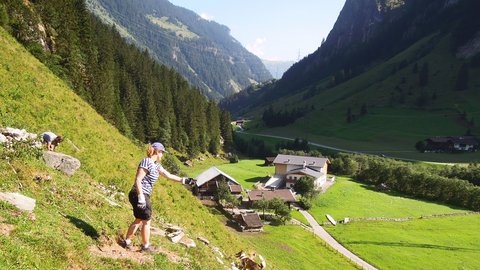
(322, 233)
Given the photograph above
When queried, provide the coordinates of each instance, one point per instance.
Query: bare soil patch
(117, 252)
(6, 229)
(113, 250)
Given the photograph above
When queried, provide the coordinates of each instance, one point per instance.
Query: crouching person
(148, 172)
(51, 140)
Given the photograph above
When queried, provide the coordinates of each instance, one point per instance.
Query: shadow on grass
(86, 228)
(412, 245)
(257, 179)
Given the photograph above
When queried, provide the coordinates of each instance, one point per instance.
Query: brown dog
(249, 263)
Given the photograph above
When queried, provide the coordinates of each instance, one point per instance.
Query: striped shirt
(153, 171)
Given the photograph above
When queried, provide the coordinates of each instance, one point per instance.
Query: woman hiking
(148, 172)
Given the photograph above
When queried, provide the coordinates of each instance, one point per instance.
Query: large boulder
(61, 162)
(21, 202)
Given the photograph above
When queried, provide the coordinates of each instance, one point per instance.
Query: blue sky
(272, 29)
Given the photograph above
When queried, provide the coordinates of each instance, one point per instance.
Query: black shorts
(143, 214)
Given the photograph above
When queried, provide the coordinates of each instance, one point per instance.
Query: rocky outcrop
(176, 235)
(61, 162)
(10, 135)
(18, 200)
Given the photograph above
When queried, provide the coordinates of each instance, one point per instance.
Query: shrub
(304, 186)
(305, 203)
(234, 158)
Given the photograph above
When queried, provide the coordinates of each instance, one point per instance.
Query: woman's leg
(146, 233)
(133, 228)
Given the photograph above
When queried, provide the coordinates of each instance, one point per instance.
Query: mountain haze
(383, 64)
(277, 67)
(202, 51)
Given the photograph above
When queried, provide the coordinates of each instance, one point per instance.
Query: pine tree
(213, 119)
(226, 129)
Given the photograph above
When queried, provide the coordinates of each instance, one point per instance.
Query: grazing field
(437, 243)
(293, 247)
(347, 198)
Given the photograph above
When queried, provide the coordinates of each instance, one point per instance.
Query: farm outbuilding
(208, 182)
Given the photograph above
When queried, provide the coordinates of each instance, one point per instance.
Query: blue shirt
(153, 172)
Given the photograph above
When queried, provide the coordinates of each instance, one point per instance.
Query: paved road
(348, 151)
(322, 233)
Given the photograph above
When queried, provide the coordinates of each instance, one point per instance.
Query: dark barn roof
(252, 220)
(285, 195)
(235, 188)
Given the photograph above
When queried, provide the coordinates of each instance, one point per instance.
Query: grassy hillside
(72, 219)
(71, 215)
(399, 111)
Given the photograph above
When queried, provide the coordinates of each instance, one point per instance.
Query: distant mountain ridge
(202, 51)
(384, 63)
(368, 32)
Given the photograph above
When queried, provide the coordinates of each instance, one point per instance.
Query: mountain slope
(376, 74)
(202, 51)
(71, 214)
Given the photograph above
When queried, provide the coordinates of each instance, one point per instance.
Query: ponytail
(151, 151)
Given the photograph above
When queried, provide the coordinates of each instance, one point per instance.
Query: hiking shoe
(149, 249)
(124, 245)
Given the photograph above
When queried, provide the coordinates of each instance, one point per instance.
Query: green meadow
(347, 198)
(435, 243)
(296, 248)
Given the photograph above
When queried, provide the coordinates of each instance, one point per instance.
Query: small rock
(157, 231)
(42, 177)
(173, 228)
(217, 250)
(219, 261)
(21, 202)
(203, 240)
(3, 139)
(189, 163)
(187, 242)
(175, 237)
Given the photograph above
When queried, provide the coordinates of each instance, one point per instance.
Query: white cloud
(206, 16)
(257, 48)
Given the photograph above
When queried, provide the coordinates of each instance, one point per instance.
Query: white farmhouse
(289, 169)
